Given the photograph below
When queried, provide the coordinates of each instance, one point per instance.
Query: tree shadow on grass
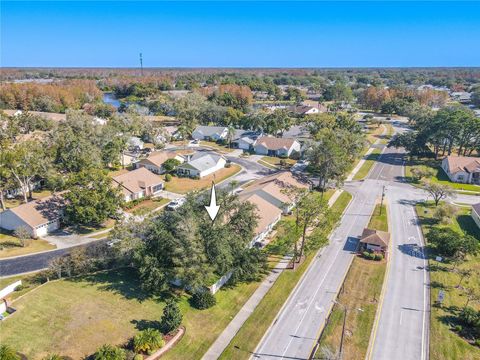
(146, 324)
(124, 282)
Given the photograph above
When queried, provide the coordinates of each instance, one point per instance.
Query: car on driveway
(175, 204)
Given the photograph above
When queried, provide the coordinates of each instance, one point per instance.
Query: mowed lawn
(439, 176)
(75, 317)
(445, 344)
(275, 161)
(10, 245)
(184, 185)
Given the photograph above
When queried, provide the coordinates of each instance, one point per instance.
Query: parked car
(175, 204)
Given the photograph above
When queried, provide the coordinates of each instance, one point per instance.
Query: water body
(110, 99)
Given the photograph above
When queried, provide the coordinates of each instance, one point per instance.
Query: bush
(19, 287)
(228, 164)
(477, 342)
(171, 318)
(458, 328)
(109, 352)
(378, 257)
(203, 300)
(147, 340)
(7, 353)
(168, 177)
(23, 235)
(138, 357)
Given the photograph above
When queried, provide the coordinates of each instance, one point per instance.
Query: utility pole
(381, 202)
(141, 64)
(343, 332)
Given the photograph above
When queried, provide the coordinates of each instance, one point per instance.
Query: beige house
(272, 146)
(375, 240)
(273, 189)
(462, 169)
(40, 217)
(139, 183)
(156, 159)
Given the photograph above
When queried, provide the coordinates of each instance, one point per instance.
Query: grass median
(368, 164)
(250, 334)
(361, 290)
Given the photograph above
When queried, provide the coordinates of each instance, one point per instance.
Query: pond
(110, 99)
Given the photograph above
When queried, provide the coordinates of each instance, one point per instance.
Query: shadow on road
(413, 250)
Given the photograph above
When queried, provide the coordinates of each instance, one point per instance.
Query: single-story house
(138, 183)
(156, 159)
(201, 164)
(305, 110)
(476, 213)
(135, 143)
(271, 146)
(462, 169)
(461, 96)
(273, 189)
(244, 139)
(268, 216)
(375, 240)
(40, 216)
(296, 132)
(213, 133)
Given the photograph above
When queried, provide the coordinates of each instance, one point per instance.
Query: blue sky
(240, 34)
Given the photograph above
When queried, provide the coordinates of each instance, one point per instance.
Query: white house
(271, 146)
(210, 133)
(139, 183)
(156, 159)
(462, 169)
(39, 217)
(201, 164)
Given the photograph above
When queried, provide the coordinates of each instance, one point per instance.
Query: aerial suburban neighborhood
(239, 181)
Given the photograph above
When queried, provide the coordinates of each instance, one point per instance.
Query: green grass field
(11, 246)
(368, 164)
(379, 219)
(253, 329)
(74, 317)
(445, 344)
(275, 161)
(439, 175)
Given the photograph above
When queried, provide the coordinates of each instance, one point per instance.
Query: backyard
(113, 308)
(184, 185)
(445, 344)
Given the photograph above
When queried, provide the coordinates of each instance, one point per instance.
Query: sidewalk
(231, 330)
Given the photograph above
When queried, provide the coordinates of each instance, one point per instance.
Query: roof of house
(202, 161)
(266, 212)
(275, 186)
(137, 180)
(41, 211)
(210, 130)
(157, 158)
(375, 237)
(296, 131)
(476, 207)
(303, 109)
(273, 143)
(463, 163)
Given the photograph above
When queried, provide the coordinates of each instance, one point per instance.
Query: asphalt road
(402, 331)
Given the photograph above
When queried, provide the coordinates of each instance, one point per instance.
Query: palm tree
(147, 340)
(109, 352)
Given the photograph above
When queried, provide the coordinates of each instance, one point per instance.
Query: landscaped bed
(445, 343)
(74, 317)
(184, 185)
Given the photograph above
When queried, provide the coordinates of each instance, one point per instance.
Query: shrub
(168, 177)
(109, 352)
(7, 353)
(23, 235)
(147, 340)
(203, 300)
(458, 328)
(477, 342)
(19, 287)
(171, 318)
(138, 357)
(378, 257)
(228, 164)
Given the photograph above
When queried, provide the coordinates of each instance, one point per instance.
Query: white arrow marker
(213, 208)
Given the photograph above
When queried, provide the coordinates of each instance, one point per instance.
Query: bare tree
(437, 191)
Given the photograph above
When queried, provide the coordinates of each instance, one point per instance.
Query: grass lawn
(368, 164)
(28, 283)
(439, 175)
(445, 344)
(147, 206)
(275, 161)
(85, 230)
(10, 245)
(379, 221)
(11, 203)
(74, 317)
(374, 133)
(185, 185)
(218, 147)
(254, 328)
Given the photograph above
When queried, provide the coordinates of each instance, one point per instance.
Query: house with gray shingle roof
(210, 133)
(201, 164)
